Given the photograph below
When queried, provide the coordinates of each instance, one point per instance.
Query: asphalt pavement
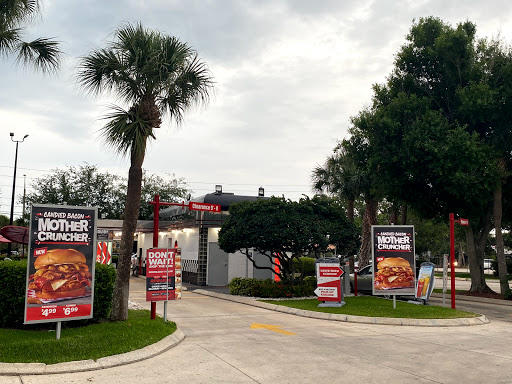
(230, 342)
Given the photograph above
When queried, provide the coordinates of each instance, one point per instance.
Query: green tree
(171, 190)
(286, 230)
(83, 185)
(42, 53)
(338, 177)
(433, 130)
(156, 75)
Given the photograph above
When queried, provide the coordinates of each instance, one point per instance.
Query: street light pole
(14, 184)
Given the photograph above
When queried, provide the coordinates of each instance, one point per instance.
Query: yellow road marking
(273, 328)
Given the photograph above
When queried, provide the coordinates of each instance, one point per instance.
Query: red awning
(4, 240)
(15, 234)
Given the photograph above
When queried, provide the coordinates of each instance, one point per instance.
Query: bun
(60, 256)
(400, 284)
(62, 294)
(393, 262)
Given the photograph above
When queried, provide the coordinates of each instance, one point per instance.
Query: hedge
(13, 275)
(271, 289)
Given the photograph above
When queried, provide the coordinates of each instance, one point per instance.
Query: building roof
(223, 199)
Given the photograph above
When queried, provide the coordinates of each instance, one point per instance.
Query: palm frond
(125, 132)
(42, 53)
(191, 86)
(9, 38)
(15, 12)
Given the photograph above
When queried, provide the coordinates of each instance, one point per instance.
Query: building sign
(104, 235)
(163, 274)
(60, 273)
(328, 281)
(393, 260)
(193, 206)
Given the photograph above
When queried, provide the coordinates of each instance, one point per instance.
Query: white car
(488, 263)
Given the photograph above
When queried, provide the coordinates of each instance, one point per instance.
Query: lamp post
(14, 183)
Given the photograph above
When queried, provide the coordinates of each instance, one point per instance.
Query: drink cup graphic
(419, 290)
(425, 285)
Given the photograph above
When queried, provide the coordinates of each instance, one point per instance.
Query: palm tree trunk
(131, 214)
(502, 264)
(350, 210)
(403, 214)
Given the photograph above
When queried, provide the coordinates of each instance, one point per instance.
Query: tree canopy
(85, 185)
(437, 135)
(284, 229)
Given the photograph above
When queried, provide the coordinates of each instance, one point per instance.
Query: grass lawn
(378, 307)
(81, 343)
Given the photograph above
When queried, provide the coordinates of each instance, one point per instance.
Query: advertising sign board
(61, 260)
(163, 274)
(328, 281)
(393, 260)
(426, 281)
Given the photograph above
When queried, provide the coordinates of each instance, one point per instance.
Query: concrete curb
(474, 299)
(11, 369)
(349, 318)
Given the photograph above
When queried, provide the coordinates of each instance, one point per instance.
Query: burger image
(60, 273)
(394, 272)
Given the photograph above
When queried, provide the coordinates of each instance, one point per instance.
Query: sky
(289, 75)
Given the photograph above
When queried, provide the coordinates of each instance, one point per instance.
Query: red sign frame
(64, 228)
(163, 274)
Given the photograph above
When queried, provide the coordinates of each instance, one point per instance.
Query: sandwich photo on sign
(60, 273)
(394, 272)
(393, 260)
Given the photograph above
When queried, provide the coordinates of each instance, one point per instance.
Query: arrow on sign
(331, 272)
(273, 328)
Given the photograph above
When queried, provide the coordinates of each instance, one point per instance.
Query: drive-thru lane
(221, 346)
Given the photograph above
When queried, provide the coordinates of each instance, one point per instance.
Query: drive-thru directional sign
(328, 273)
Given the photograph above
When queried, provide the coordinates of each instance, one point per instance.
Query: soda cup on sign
(425, 285)
(419, 290)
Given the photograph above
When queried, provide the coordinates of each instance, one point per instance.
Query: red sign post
(452, 252)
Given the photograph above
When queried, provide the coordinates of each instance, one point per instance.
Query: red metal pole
(452, 258)
(156, 218)
(355, 281)
(156, 211)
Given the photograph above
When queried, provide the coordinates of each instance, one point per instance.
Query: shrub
(305, 266)
(104, 280)
(13, 277)
(269, 288)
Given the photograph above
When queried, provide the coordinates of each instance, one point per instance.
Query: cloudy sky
(288, 74)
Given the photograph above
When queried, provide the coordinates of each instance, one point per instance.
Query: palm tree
(156, 75)
(42, 53)
(338, 177)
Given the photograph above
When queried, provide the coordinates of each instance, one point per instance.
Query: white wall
(188, 241)
(239, 266)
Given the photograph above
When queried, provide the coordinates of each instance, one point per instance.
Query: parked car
(364, 279)
(488, 263)
(15, 253)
